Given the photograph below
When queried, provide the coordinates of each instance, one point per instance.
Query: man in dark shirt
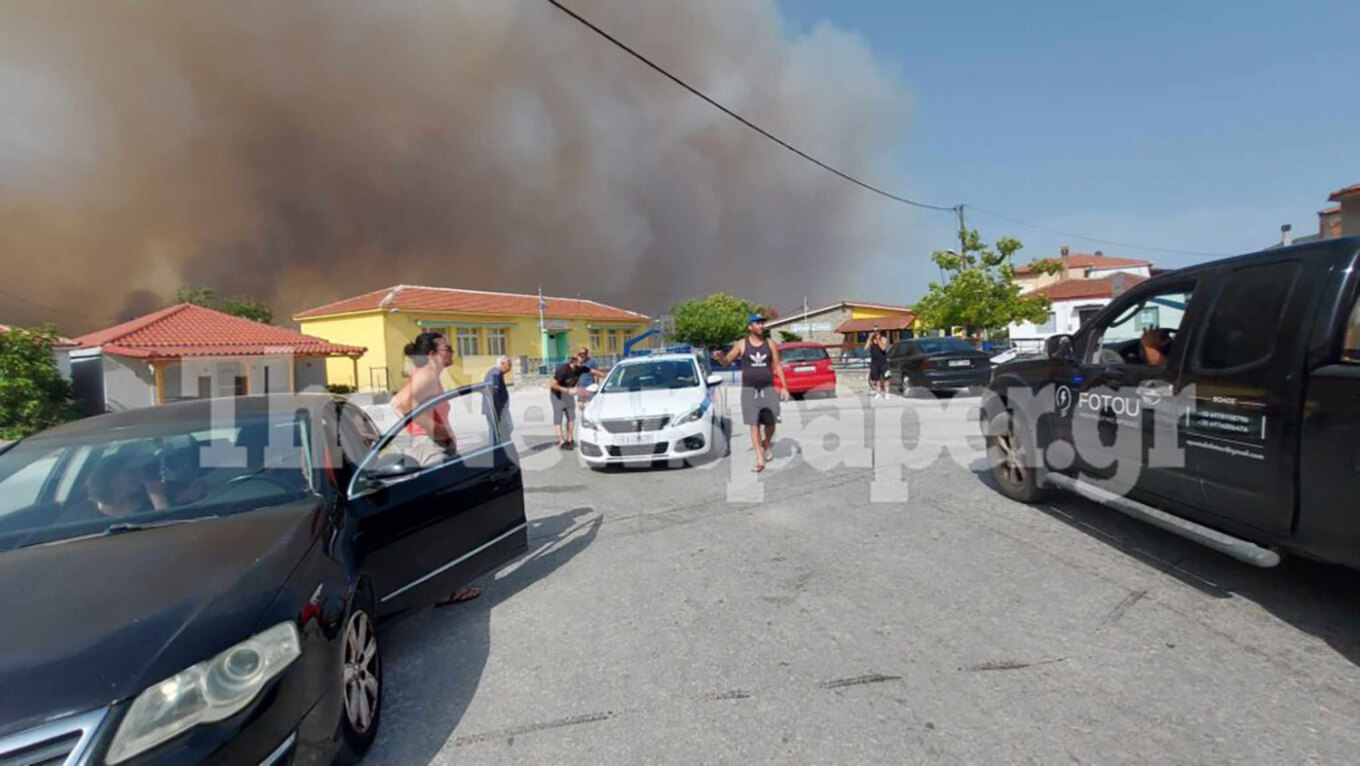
(498, 403)
(563, 399)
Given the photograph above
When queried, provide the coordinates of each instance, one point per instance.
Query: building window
(1049, 325)
(595, 343)
(467, 341)
(497, 343)
(613, 337)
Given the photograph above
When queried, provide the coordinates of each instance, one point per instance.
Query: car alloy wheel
(1012, 456)
(361, 672)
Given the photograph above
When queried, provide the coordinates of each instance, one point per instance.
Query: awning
(867, 324)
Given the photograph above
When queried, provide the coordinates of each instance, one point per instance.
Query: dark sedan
(202, 581)
(937, 364)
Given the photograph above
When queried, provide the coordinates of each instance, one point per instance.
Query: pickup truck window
(1118, 340)
(1350, 350)
(1244, 321)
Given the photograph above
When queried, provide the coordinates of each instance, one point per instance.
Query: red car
(808, 368)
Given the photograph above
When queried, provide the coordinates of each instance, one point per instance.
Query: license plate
(807, 368)
(636, 438)
(960, 363)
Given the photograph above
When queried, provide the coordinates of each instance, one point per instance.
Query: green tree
(242, 306)
(979, 293)
(789, 337)
(714, 321)
(33, 395)
(199, 296)
(248, 308)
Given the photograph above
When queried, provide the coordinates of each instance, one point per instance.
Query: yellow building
(480, 327)
(848, 323)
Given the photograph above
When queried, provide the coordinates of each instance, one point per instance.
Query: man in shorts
(759, 404)
(562, 396)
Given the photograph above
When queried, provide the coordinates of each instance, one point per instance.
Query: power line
(738, 117)
(898, 198)
(1097, 240)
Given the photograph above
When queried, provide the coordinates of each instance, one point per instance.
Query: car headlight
(589, 422)
(209, 691)
(693, 415)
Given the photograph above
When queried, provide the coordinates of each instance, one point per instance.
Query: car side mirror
(1059, 347)
(715, 380)
(391, 467)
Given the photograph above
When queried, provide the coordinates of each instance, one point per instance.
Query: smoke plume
(305, 151)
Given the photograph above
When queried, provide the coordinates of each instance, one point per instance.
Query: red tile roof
(449, 299)
(866, 324)
(62, 341)
(1083, 261)
(1346, 192)
(189, 330)
(1074, 289)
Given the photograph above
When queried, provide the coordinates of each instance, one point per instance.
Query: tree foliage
(789, 337)
(714, 321)
(33, 394)
(242, 306)
(979, 293)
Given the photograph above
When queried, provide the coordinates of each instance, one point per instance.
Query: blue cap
(755, 318)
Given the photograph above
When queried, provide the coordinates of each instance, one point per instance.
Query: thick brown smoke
(304, 151)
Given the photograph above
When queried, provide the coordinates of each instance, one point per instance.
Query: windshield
(942, 345)
(64, 487)
(652, 376)
(802, 354)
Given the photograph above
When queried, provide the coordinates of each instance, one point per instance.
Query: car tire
(360, 681)
(1010, 444)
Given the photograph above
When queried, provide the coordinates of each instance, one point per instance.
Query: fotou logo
(1062, 399)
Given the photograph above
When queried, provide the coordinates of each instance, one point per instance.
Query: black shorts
(878, 371)
(759, 406)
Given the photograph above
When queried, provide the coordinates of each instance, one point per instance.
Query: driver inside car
(1155, 346)
(116, 489)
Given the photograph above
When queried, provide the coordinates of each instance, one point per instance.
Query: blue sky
(1196, 126)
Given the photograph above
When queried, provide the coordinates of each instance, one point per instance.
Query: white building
(1080, 266)
(1073, 302)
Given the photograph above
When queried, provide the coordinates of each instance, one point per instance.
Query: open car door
(431, 520)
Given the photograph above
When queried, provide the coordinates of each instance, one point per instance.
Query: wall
(830, 320)
(365, 330)
(864, 312)
(312, 372)
(1350, 216)
(128, 383)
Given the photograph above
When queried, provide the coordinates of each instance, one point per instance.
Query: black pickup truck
(1220, 402)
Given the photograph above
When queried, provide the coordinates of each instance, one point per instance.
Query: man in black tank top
(759, 402)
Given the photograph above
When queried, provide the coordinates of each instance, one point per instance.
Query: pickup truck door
(1122, 411)
(426, 529)
(1248, 374)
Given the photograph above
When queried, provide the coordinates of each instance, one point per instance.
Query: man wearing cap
(759, 403)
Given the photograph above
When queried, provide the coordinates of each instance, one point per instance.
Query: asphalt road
(658, 620)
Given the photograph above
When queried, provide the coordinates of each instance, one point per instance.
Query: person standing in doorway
(878, 364)
(759, 403)
(563, 400)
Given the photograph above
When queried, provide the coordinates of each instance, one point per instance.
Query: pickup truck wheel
(1014, 458)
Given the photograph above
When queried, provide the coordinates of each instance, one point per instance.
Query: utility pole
(963, 228)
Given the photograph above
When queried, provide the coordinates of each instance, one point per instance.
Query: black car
(937, 364)
(202, 581)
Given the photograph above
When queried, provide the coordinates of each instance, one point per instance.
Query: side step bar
(1240, 549)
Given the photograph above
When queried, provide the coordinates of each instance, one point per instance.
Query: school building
(480, 326)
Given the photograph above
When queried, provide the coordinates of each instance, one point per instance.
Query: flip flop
(459, 596)
(757, 468)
